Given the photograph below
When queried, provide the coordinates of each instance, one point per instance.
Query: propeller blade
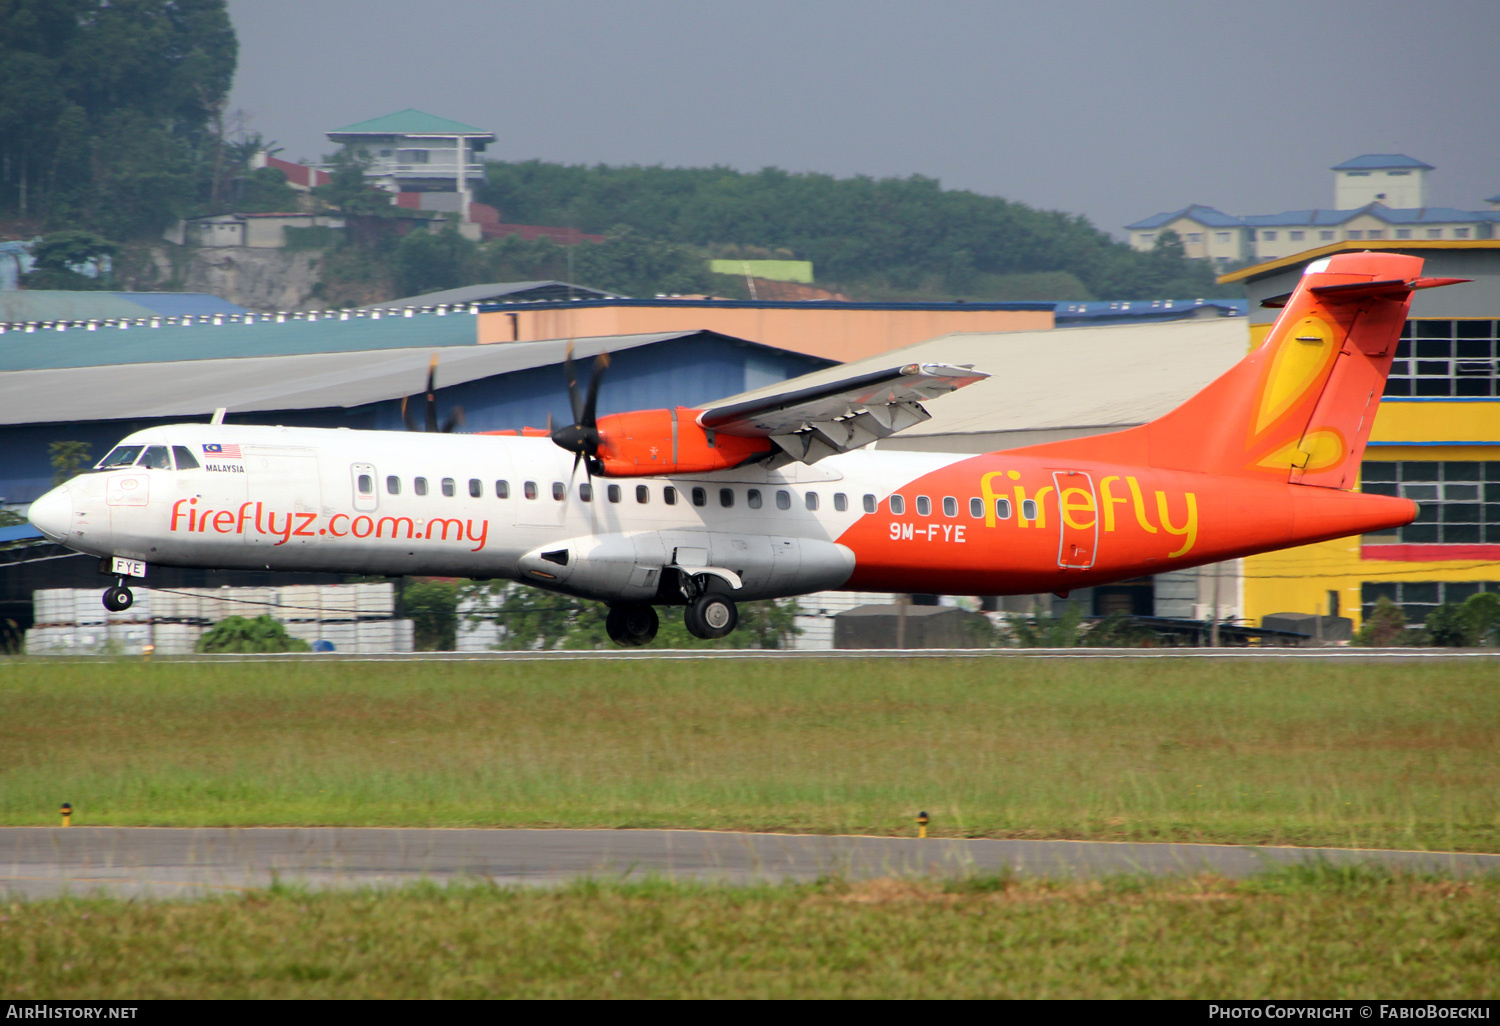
(455, 420)
(591, 402)
(572, 378)
(406, 417)
(432, 417)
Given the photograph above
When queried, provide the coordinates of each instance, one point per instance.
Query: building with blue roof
(1377, 196)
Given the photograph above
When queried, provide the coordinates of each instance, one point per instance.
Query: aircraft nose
(52, 514)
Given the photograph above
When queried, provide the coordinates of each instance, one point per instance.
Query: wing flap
(811, 423)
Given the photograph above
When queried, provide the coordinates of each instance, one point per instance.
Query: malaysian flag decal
(222, 450)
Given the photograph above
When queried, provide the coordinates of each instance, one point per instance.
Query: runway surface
(179, 862)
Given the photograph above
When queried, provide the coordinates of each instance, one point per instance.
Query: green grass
(1391, 755)
(1334, 934)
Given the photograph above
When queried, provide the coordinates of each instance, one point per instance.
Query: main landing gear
(119, 598)
(631, 624)
(710, 614)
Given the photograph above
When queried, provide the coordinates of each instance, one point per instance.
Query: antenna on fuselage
(218, 417)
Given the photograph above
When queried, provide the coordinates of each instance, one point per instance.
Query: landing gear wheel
(632, 624)
(711, 615)
(118, 599)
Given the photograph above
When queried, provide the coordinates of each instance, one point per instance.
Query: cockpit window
(155, 458)
(185, 459)
(122, 456)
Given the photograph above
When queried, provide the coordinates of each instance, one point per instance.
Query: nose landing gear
(632, 624)
(119, 598)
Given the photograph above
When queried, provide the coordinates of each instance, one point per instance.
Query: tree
(1384, 627)
(633, 264)
(1483, 611)
(68, 459)
(432, 607)
(349, 192)
(59, 256)
(239, 634)
(430, 261)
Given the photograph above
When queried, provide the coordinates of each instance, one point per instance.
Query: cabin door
(1077, 519)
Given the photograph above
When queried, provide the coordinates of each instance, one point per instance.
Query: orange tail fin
(1300, 407)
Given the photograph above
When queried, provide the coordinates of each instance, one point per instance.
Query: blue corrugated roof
(79, 347)
(178, 304)
(1380, 161)
(1203, 215)
(1075, 311)
(66, 305)
(18, 532)
(1390, 215)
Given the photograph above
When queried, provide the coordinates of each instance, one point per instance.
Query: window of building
(783, 499)
(1460, 233)
(1358, 174)
(585, 492)
(752, 498)
(950, 506)
(1194, 237)
(642, 494)
(529, 489)
(840, 502)
(393, 485)
(1296, 236)
(700, 497)
(1325, 236)
(1397, 174)
(811, 499)
(898, 505)
(1147, 238)
(1446, 358)
(502, 489)
(185, 458)
(476, 487)
(1419, 598)
(449, 487)
(612, 493)
(870, 503)
(1268, 236)
(419, 485)
(924, 506)
(1403, 233)
(976, 508)
(669, 495)
(1222, 237)
(1459, 500)
(1028, 509)
(726, 497)
(1002, 509)
(1356, 234)
(1434, 233)
(1375, 233)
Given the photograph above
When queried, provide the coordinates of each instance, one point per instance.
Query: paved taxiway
(178, 862)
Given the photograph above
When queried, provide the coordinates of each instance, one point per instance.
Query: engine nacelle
(650, 442)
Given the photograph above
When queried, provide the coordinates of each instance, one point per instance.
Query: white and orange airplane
(780, 496)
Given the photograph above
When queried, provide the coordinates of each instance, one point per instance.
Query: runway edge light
(922, 824)
(67, 813)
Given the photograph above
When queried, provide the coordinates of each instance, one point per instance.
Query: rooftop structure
(33, 308)
(414, 152)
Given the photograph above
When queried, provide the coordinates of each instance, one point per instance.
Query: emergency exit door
(1077, 519)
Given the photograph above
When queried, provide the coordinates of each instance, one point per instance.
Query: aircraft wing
(811, 423)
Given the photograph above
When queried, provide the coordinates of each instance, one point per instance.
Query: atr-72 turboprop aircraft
(779, 496)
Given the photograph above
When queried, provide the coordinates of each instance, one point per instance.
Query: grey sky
(1114, 110)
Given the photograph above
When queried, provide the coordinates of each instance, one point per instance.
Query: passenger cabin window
(976, 508)
(840, 501)
(502, 489)
(783, 499)
(1002, 509)
(366, 484)
(585, 492)
(950, 506)
(1028, 509)
(529, 488)
(613, 493)
(669, 495)
(559, 491)
(898, 505)
(642, 494)
(811, 499)
(726, 497)
(752, 498)
(419, 485)
(924, 506)
(185, 460)
(122, 456)
(449, 487)
(476, 488)
(869, 504)
(700, 497)
(393, 485)
(156, 457)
